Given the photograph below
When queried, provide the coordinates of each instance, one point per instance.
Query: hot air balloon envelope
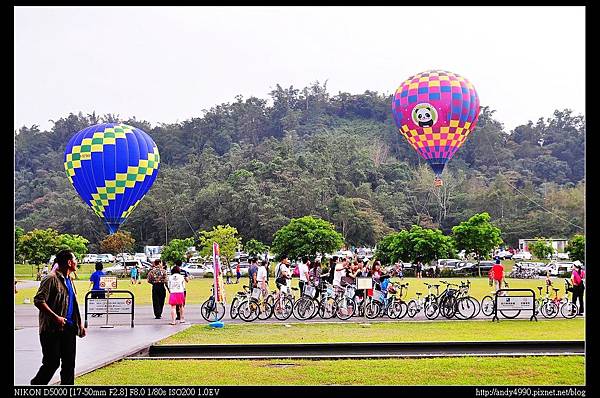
(435, 111)
(111, 166)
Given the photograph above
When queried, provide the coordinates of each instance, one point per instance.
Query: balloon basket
(216, 325)
(438, 182)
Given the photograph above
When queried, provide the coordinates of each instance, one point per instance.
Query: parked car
(447, 263)
(472, 269)
(504, 255)
(123, 268)
(556, 268)
(88, 258)
(244, 265)
(465, 268)
(196, 270)
(522, 256)
(529, 265)
(561, 256)
(105, 257)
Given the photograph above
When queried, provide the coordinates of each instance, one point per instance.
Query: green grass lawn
(564, 329)
(479, 371)
(198, 289)
(29, 272)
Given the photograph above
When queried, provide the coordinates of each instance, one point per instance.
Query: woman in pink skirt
(176, 288)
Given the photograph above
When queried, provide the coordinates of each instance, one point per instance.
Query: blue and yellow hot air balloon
(112, 166)
(436, 111)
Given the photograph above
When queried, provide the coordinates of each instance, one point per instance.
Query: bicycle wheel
(303, 308)
(568, 310)
(403, 310)
(346, 307)
(448, 307)
(487, 305)
(372, 309)
(477, 305)
(207, 309)
(465, 309)
(233, 309)
(549, 309)
(283, 308)
(248, 311)
(271, 300)
(412, 308)
(432, 310)
(264, 311)
(394, 309)
(219, 311)
(510, 314)
(327, 308)
(316, 308)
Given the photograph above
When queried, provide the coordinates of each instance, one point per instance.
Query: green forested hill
(256, 163)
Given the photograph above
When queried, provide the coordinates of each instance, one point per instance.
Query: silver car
(196, 270)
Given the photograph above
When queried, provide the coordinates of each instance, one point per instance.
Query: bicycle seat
(419, 293)
(555, 289)
(540, 288)
(295, 288)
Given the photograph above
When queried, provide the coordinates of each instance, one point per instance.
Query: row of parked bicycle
(454, 302)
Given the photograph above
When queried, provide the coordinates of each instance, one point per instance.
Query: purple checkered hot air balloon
(111, 166)
(435, 111)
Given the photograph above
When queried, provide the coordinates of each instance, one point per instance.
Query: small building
(558, 245)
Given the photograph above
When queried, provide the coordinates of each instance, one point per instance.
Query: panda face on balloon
(424, 115)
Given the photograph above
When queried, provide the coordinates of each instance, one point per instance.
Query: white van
(105, 258)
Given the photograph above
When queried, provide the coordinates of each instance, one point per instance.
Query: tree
(576, 248)
(477, 235)
(18, 250)
(77, 244)
(227, 238)
(541, 248)
(418, 244)
(38, 245)
(254, 247)
(119, 242)
(177, 249)
(306, 236)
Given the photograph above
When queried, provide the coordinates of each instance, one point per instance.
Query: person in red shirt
(497, 274)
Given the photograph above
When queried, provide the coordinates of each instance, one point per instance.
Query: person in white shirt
(261, 279)
(340, 270)
(303, 272)
(282, 273)
(176, 287)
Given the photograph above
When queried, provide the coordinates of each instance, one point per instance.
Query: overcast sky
(166, 64)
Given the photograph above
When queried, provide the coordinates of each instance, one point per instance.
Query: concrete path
(98, 348)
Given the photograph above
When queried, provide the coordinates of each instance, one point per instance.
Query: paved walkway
(98, 348)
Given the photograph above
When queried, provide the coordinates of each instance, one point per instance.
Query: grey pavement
(98, 348)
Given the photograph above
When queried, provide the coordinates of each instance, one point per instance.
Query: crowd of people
(60, 319)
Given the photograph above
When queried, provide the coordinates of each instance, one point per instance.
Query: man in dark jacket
(59, 321)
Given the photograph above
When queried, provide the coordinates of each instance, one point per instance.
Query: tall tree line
(255, 164)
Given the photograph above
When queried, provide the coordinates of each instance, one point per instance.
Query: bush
(446, 273)
(208, 275)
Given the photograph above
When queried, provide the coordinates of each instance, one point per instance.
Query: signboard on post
(515, 303)
(510, 302)
(110, 304)
(115, 306)
(364, 283)
(108, 282)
